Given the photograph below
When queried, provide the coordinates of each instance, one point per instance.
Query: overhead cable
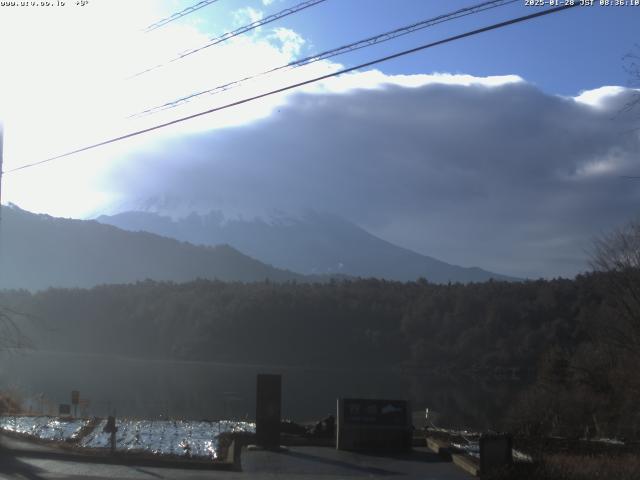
(488, 28)
(180, 14)
(367, 42)
(234, 33)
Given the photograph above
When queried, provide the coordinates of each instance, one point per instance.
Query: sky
(504, 150)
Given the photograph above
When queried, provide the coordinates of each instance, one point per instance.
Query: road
(305, 463)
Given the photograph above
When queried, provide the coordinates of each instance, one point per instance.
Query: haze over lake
(209, 390)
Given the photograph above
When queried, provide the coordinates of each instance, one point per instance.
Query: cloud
(475, 171)
(599, 96)
(290, 42)
(247, 15)
(486, 171)
(90, 95)
(72, 92)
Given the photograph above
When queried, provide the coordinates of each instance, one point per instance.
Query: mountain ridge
(315, 243)
(39, 251)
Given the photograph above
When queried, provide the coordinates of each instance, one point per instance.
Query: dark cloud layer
(507, 178)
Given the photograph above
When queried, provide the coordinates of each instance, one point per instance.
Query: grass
(620, 467)
(568, 459)
(566, 466)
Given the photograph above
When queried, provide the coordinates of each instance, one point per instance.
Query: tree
(617, 256)
(616, 342)
(632, 67)
(11, 336)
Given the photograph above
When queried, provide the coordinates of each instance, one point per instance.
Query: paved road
(311, 463)
(304, 463)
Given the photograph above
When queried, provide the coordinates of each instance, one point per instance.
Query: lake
(205, 390)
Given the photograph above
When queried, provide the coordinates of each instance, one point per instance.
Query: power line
(234, 33)
(180, 14)
(494, 26)
(1, 159)
(367, 42)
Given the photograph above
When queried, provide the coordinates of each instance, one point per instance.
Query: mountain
(39, 251)
(312, 244)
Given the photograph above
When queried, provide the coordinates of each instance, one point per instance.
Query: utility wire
(1, 159)
(367, 42)
(234, 33)
(494, 26)
(176, 16)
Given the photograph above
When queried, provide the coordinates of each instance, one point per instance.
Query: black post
(268, 410)
(75, 399)
(111, 428)
(496, 452)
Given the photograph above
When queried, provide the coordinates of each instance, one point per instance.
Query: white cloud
(474, 170)
(63, 83)
(375, 79)
(488, 171)
(63, 79)
(290, 41)
(247, 15)
(597, 97)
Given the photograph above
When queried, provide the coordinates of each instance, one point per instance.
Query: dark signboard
(64, 409)
(375, 412)
(372, 424)
(268, 410)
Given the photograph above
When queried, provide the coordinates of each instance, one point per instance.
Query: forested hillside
(452, 327)
(545, 334)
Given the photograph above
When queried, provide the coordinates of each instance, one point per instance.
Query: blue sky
(483, 152)
(579, 49)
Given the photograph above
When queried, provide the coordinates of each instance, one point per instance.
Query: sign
(75, 397)
(268, 410)
(373, 424)
(64, 409)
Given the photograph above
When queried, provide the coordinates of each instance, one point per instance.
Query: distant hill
(313, 244)
(39, 251)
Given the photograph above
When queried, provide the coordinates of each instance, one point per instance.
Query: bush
(10, 402)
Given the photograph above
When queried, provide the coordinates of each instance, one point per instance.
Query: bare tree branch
(11, 335)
